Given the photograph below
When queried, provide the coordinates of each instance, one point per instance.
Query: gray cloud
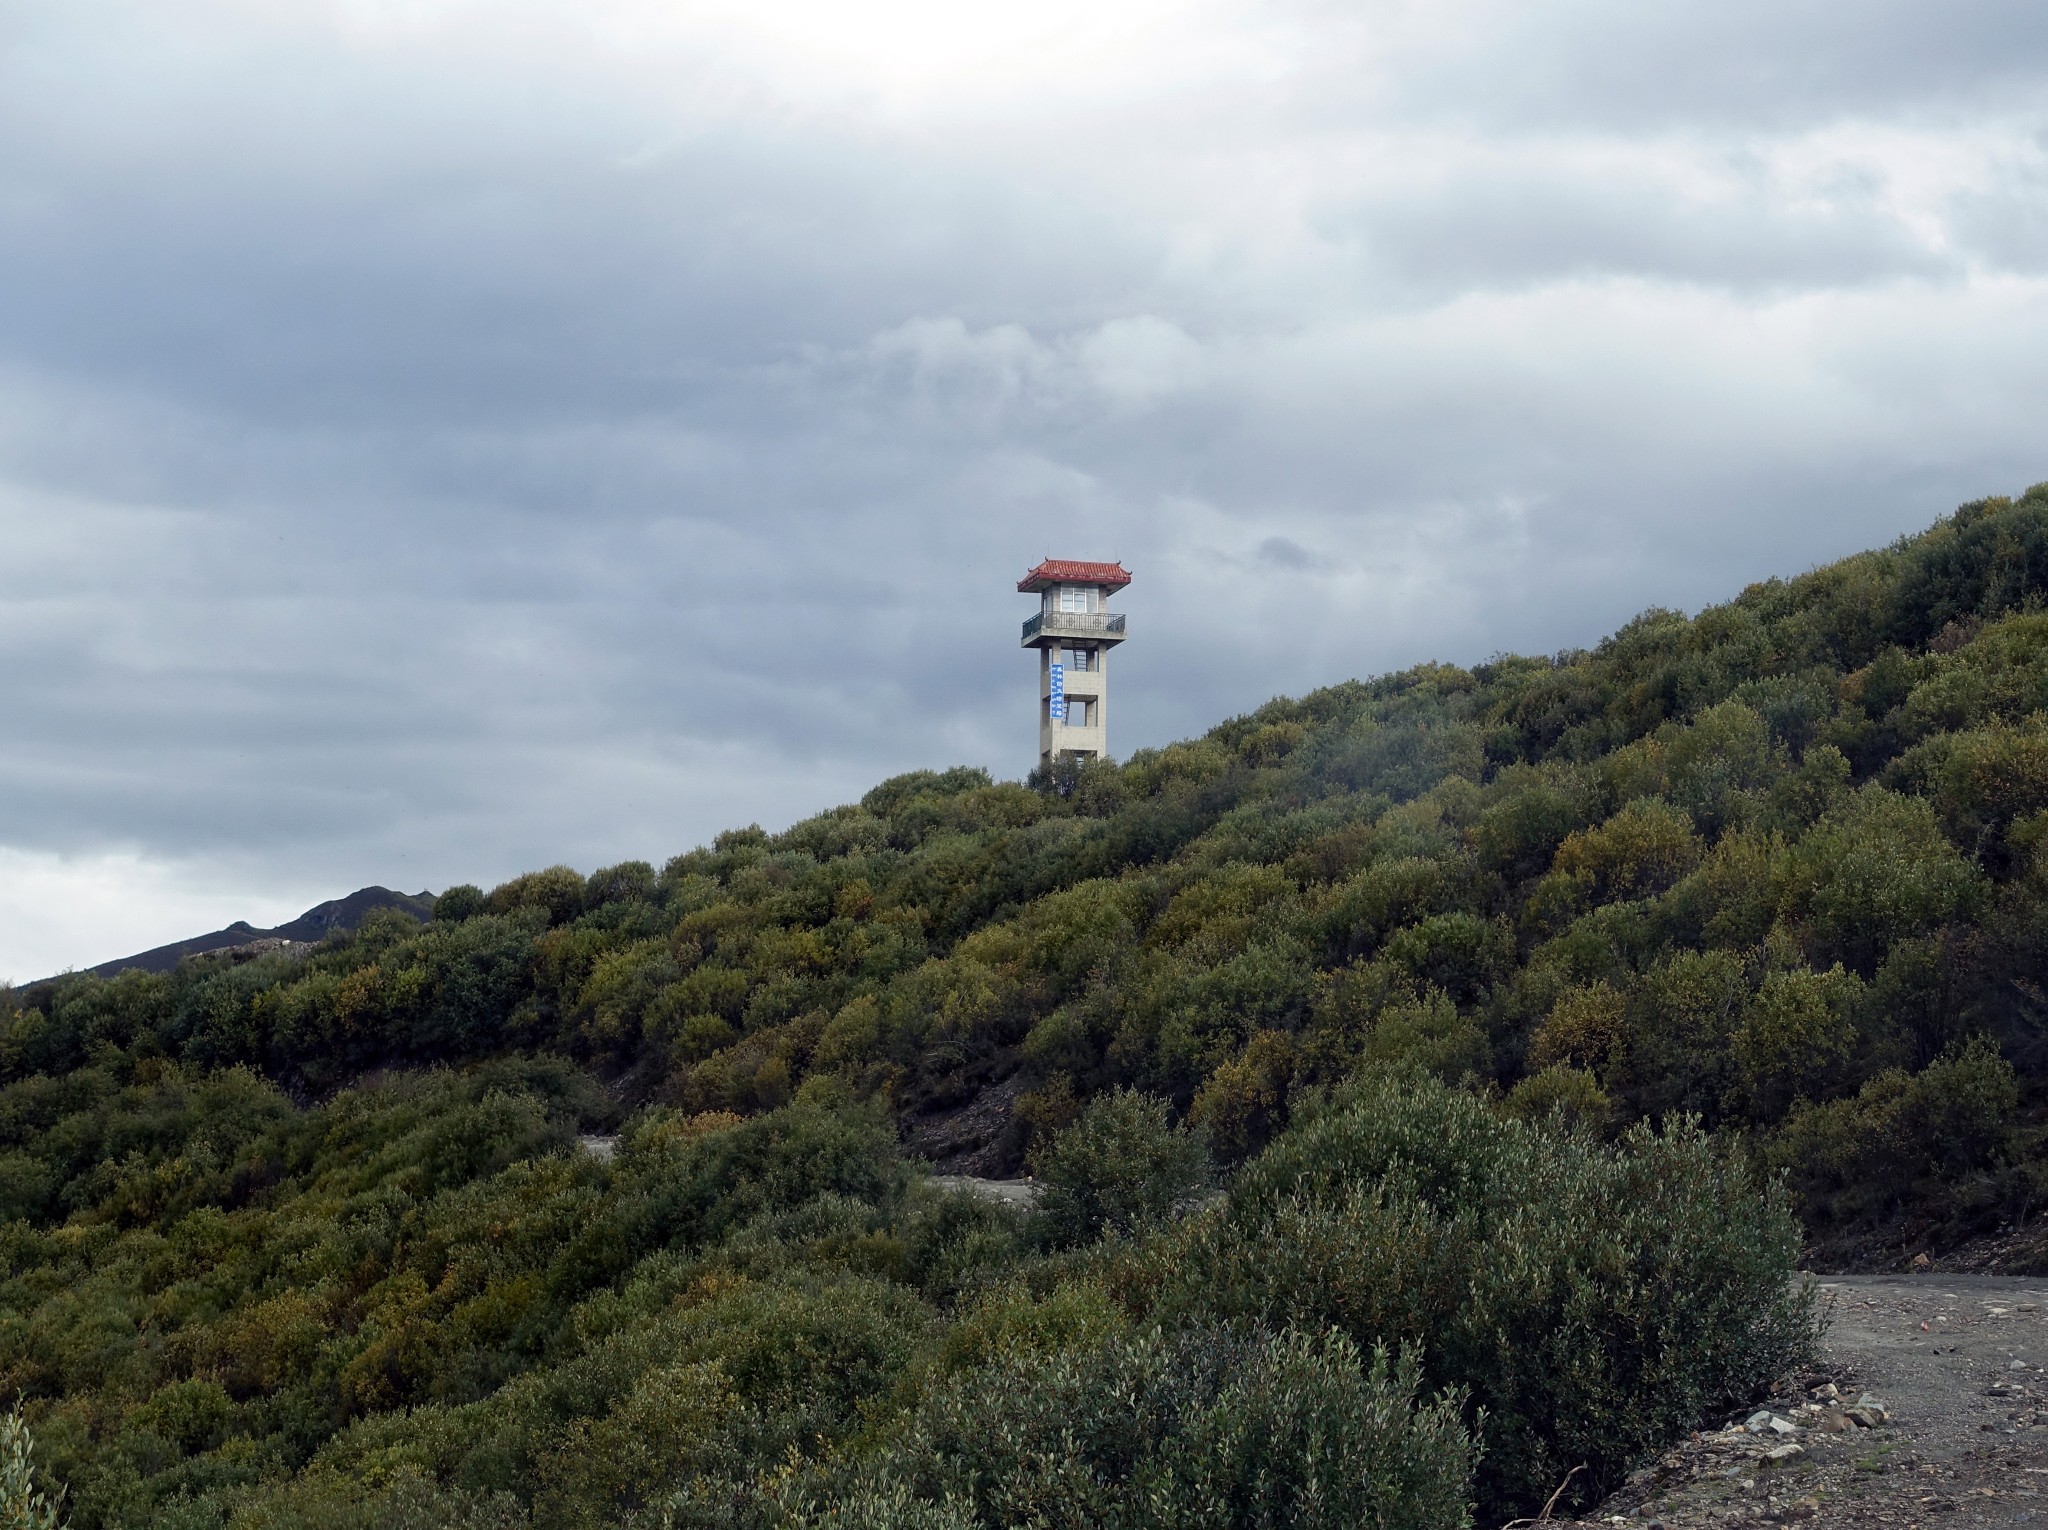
(1744, 66)
(2005, 223)
(421, 460)
(1540, 224)
(1285, 552)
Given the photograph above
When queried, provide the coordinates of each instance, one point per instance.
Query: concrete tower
(1073, 634)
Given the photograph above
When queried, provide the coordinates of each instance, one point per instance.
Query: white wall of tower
(1091, 686)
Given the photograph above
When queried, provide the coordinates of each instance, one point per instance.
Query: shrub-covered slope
(1779, 865)
(417, 1305)
(1781, 868)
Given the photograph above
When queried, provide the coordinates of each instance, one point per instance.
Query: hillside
(1772, 865)
(1781, 867)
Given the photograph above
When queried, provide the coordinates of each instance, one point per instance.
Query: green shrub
(1518, 836)
(463, 901)
(674, 1422)
(953, 1242)
(1861, 1157)
(1643, 849)
(408, 1501)
(1682, 1014)
(558, 890)
(1460, 954)
(1243, 1102)
(1429, 1033)
(1982, 782)
(28, 1187)
(1594, 1301)
(1011, 1320)
(1795, 1038)
(693, 1180)
(1122, 1164)
(1200, 1430)
(1562, 1091)
(1874, 871)
(1586, 1025)
(23, 1504)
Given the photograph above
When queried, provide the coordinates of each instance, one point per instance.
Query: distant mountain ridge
(315, 924)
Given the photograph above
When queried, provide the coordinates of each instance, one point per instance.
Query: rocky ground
(1955, 1363)
(974, 1140)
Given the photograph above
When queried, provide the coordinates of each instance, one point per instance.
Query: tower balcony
(1103, 627)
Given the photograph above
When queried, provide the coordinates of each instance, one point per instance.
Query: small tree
(23, 1505)
(1121, 1164)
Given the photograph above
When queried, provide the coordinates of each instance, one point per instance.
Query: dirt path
(1956, 1360)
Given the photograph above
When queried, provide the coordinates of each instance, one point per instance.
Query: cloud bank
(442, 439)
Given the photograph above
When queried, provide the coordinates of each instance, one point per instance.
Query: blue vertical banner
(1059, 693)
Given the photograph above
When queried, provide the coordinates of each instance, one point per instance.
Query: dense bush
(1199, 1430)
(1593, 1300)
(1941, 1130)
(421, 1302)
(1122, 1164)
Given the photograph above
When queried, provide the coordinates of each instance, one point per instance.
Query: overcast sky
(443, 439)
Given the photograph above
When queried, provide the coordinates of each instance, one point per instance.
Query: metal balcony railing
(1074, 624)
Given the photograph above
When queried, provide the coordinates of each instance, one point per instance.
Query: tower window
(1075, 597)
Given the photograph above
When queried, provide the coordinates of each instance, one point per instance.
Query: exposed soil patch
(2008, 1251)
(2021, 1252)
(1955, 1359)
(977, 1139)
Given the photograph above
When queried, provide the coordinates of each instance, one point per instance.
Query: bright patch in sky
(903, 55)
(59, 912)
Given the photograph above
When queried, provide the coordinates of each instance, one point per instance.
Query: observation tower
(1073, 633)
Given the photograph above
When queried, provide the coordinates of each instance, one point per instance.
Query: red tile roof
(1066, 571)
